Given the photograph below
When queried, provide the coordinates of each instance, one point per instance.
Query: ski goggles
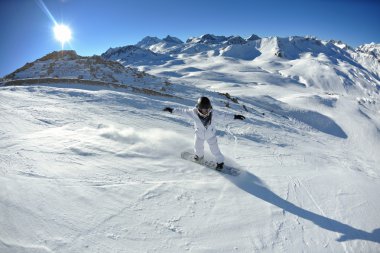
(204, 112)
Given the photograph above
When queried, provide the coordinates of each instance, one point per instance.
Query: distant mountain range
(330, 65)
(236, 47)
(308, 61)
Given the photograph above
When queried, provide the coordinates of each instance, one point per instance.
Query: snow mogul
(204, 118)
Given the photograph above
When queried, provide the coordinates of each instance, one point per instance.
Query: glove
(237, 116)
(168, 109)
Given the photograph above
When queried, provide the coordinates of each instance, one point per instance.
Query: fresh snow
(98, 169)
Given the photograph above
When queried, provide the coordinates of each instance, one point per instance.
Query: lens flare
(62, 33)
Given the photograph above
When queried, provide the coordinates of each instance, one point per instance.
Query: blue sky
(27, 31)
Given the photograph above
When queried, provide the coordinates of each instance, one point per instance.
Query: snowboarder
(204, 123)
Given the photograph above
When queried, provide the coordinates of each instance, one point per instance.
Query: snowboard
(210, 164)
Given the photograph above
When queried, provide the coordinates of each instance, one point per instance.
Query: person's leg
(198, 146)
(213, 143)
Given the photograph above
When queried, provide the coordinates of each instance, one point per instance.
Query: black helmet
(204, 103)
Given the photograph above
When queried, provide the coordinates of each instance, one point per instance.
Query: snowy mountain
(370, 49)
(148, 41)
(90, 165)
(208, 39)
(134, 55)
(56, 66)
(253, 37)
(368, 56)
(171, 39)
(167, 44)
(329, 65)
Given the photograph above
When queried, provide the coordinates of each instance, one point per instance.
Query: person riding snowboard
(204, 123)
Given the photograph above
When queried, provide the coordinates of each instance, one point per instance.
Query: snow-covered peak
(340, 44)
(295, 47)
(159, 46)
(171, 39)
(368, 55)
(113, 53)
(133, 54)
(236, 40)
(253, 37)
(208, 39)
(148, 41)
(371, 49)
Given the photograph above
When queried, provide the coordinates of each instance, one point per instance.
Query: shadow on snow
(251, 184)
(314, 119)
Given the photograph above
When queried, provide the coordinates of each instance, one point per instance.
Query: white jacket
(200, 130)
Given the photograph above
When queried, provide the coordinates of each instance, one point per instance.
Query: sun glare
(62, 33)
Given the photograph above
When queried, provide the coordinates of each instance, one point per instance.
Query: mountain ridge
(67, 64)
(347, 69)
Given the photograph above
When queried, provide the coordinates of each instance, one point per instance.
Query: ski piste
(210, 164)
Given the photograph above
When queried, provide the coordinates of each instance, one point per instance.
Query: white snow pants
(214, 148)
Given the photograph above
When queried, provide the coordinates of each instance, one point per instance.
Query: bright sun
(62, 33)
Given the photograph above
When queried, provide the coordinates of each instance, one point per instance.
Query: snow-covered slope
(87, 168)
(83, 169)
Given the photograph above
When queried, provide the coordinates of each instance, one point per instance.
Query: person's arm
(181, 112)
